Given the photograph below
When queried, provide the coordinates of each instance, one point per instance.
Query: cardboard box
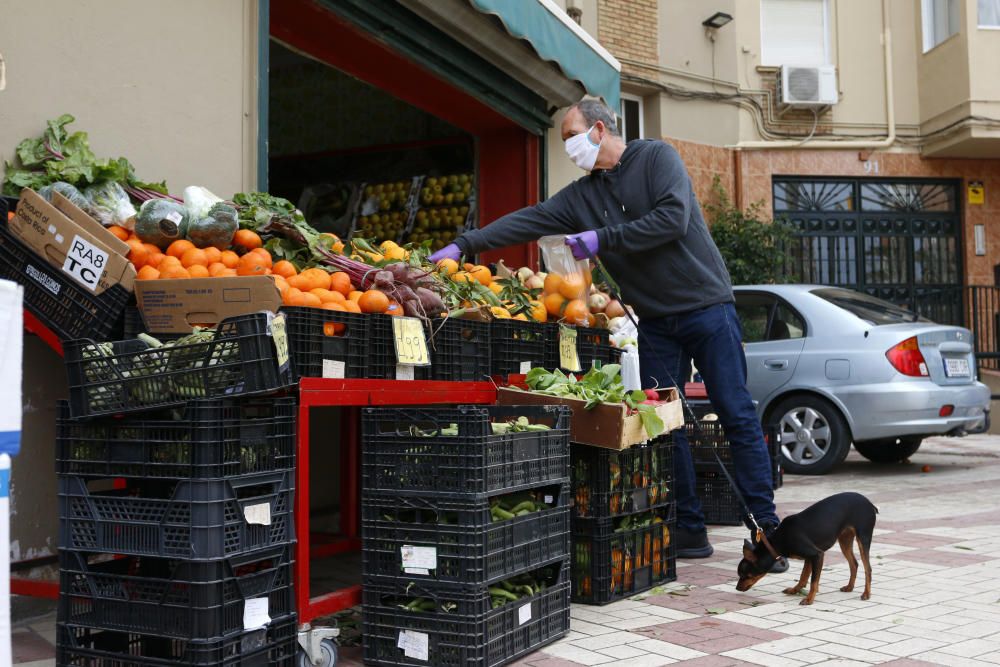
(174, 306)
(72, 241)
(606, 425)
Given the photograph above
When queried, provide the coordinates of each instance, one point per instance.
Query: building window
(794, 32)
(630, 118)
(940, 21)
(989, 14)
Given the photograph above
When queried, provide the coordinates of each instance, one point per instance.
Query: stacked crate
(719, 502)
(465, 533)
(622, 519)
(175, 516)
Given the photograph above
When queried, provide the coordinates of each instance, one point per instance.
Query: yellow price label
(568, 357)
(280, 337)
(411, 342)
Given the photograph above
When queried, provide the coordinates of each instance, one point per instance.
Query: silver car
(830, 366)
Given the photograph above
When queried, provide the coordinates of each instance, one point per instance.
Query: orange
(496, 288)
(591, 320)
(230, 272)
(352, 306)
(282, 286)
(216, 269)
(468, 266)
(250, 265)
(293, 297)
(179, 247)
(151, 248)
(482, 274)
(463, 277)
(447, 266)
(373, 301)
(341, 282)
(336, 244)
(154, 259)
(138, 254)
(552, 283)
(198, 271)
(284, 268)
(120, 232)
(300, 282)
(194, 256)
(394, 309)
(577, 312)
(246, 240)
(538, 311)
(265, 256)
(230, 259)
(573, 287)
(554, 304)
(317, 278)
(333, 328)
(325, 295)
(147, 273)
(213, 255)
(355, 295)
(174, 272)
(311, 300)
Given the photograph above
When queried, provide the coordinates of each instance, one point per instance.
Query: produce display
(605, 565)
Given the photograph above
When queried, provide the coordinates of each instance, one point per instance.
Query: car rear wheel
(812, 434)
(892, 450)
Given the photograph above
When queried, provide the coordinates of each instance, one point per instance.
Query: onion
(614, 309)
(534, 282)
(524, 273)
(598, 302)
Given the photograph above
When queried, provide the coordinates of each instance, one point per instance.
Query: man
(637, 208)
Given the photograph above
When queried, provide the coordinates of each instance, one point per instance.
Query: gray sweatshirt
(653, 238)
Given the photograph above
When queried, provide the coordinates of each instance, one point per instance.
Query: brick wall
(629, 29)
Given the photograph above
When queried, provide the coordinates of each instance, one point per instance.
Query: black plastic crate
(708, 437)
(405, 451)
(382, 353)
(213, 438)
(462, 629)
(608, 483)
(592, 345)
(327, 343)
(130, 375)
(197, 519)
(173, 598)
(460, 538)
(275, 645)
(67, 308)
(516, 346)
(460, 349)
(612, 559)
(718, 501)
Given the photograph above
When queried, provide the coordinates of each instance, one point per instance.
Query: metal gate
(899, 240)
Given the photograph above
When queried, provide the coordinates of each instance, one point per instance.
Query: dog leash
(616, 294)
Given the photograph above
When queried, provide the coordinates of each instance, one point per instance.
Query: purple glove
(450, 251)
(576, 243)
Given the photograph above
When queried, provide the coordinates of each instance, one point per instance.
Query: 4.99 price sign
(411, 343)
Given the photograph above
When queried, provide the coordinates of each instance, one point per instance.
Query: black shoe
(692, 543)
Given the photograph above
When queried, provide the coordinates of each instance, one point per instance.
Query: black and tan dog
(844, 518)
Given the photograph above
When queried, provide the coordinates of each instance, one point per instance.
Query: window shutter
(793, 32)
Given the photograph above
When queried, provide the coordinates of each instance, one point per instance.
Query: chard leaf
(650, 420)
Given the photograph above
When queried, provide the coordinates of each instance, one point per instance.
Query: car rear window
(867, 308)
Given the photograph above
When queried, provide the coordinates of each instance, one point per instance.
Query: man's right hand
(450, 251)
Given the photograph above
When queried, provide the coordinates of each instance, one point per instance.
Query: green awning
(556, 39)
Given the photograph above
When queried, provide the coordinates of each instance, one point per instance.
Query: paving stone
(667, 649)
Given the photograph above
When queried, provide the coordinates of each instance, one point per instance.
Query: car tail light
(946, 411)
(907, 359)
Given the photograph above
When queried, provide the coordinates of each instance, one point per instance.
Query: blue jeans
(712, 337)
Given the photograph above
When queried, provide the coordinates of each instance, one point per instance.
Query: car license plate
(956, 368)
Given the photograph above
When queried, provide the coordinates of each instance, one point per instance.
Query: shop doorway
(899, 239)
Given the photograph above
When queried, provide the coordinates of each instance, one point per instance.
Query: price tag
(548, 500)
(85, 263)
(524, 614)
(255, 613)
(423, 558)
(334, 369)
(411, 343)
(414, 644)
(259, 514)
(280, 337)
(525, 367)
(404, 372)
(568, 357)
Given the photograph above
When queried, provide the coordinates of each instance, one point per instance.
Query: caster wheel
(327, 655)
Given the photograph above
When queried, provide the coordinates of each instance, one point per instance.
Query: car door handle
(776, 364)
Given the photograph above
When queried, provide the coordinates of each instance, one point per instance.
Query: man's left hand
(579, 243)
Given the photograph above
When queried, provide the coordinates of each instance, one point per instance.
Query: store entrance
(359, 161)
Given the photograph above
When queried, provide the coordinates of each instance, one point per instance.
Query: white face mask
(582, 151)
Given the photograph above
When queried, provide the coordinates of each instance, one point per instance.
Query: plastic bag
(66, 190)
(198, 201)
(630, 369)
(110, 205)
(569, 278)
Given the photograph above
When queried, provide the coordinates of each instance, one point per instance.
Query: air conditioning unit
(808, 86)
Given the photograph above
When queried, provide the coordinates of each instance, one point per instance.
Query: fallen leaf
(964, 548)
(716, 610)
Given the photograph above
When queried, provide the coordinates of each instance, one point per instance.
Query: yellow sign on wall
(976, 192)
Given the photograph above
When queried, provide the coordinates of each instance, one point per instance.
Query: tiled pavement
(935, 592)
